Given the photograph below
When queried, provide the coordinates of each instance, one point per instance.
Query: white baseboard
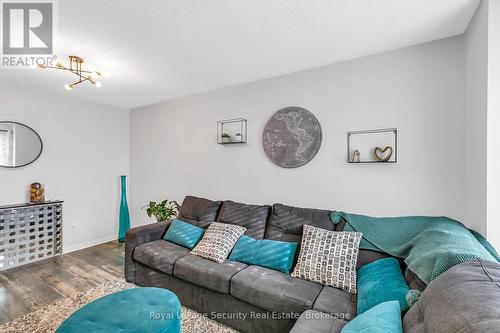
(80, 246)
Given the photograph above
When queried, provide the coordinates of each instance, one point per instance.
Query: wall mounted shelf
(232, 127)
(366, 141)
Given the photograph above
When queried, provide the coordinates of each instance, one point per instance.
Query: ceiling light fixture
(75, 67)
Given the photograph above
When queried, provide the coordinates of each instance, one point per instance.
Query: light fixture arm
(75, 67)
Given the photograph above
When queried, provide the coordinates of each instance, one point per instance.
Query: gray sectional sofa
(257, 299)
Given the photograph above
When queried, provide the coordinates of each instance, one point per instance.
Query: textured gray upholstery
(207, 273)
(337, 302)
(252, 217)
(160, 255)
(286, 222)
(274, 291)
(138, 236)
(414, 282)
(368, 256)
(464, 299)
(318, 322)
(240, 315)
(199, 211)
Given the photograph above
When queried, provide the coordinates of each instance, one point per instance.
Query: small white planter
(226, 139)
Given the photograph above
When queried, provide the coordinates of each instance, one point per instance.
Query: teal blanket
(429, 245)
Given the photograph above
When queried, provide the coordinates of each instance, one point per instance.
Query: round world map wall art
(292, 137)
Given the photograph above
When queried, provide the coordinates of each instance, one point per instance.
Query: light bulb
(95, 75)
(98, 84)
(68, 86)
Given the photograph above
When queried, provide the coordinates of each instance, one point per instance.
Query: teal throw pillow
(382, 281)
(184, 233)
(268, 253)
(382, 318)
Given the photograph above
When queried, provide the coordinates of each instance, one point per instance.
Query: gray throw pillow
(218, 241)
(328, 257)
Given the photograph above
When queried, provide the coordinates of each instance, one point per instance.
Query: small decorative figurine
(355, 156)
(37, 193)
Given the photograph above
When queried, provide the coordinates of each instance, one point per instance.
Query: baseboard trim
(81, 246)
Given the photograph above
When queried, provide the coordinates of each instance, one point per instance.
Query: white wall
(86, 148)
(419, 90)
(493, 230)
(476, 86)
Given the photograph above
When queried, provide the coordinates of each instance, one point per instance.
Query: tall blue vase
(124, 214)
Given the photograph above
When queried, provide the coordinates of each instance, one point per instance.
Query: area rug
(47, 319)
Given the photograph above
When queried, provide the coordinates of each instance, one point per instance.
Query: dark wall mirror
(20, 145)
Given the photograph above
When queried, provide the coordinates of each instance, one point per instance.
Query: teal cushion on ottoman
(137, 310)
(382, 318)
(184, 234)
(382, 281)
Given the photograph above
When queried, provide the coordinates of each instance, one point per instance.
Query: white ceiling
(157, 50)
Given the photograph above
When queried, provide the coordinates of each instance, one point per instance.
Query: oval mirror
(20, 145)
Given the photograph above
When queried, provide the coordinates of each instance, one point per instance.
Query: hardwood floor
(28, 288)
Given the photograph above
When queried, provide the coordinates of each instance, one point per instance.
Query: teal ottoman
(137, 310)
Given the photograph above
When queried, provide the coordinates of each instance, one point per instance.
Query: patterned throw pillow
(328, 257)
(218, 241)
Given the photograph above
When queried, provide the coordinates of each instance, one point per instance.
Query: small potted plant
(164, 210)
(225, 137)
(237, 137)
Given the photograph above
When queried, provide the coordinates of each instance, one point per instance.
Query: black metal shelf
(232, 143)
(232, 127)
(373, 162)
(374, 131)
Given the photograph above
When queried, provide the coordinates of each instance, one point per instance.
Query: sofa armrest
(138, 236)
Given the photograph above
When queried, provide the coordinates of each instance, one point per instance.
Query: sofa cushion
(382, 281)
(328, 257)
(274, 291)
(382, 318)
(268, 253)
(199, 211)
(183, 233)
(206, 273)
(218, 241)
(368, 256)
(252, 217)
(286, 222)
(160, 255)
(311, 321)
(466, 298)
(336, 302)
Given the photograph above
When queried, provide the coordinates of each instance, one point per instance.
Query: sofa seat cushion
(274, 291)
(206, 273)
(160, 255)
(312, 321)
(336, 302)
